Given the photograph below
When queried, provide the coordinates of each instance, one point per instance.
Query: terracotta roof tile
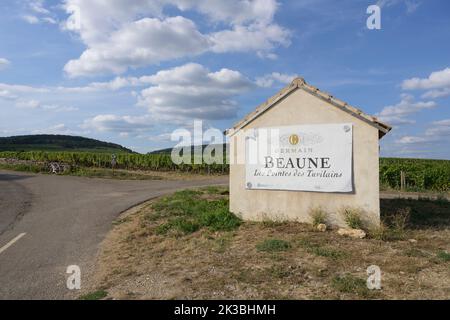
(300, 83)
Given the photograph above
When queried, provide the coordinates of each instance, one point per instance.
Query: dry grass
(352, 217)
(295, 262)
(318, 216)
(169, 175)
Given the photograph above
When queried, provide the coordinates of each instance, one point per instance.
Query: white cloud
(170, 96)
(143, 42)
(95, 20)
(100, 18)
(438, 84)
(438, 93)
(38, 13)
(112, 85)
(439, 129)
(13, 92)
(267, 55)
(38, 6)
(4, 63)
(411, 5)
(433, 142)
(410, 140)
(16, 88)
(193, 92)
(123, 34)
(444, 123)
(124, 125)
(5, 94)
(35, 104)
(398, 114)
(60, 128)
(58, 108)
(30, 19)
(27, 104)
(50, 20)
(259, 38)
(115, 84)
(269, 80)
(436, 80)
(232, 11)
(162, 137)
(438, 132)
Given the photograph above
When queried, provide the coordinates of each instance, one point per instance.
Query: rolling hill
(58, 143)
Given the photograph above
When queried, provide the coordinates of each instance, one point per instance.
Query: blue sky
(131, 72)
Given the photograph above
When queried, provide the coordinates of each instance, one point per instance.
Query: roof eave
(299, 83)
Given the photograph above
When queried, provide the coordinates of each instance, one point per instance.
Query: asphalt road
(50, 222)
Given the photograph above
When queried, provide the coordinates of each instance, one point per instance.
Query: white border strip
(9, 244)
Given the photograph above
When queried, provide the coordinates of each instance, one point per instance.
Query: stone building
(311, 115)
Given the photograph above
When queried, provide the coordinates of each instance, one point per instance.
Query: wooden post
(113, 163)
(402, 181)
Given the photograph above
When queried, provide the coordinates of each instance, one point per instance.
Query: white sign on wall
(302, 158)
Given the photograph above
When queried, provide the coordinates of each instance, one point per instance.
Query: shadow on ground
(424, 214)
(11, 177)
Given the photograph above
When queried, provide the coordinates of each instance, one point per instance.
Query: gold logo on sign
(294, 139)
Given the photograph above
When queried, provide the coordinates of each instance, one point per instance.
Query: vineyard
(420, 175)
(127, 161)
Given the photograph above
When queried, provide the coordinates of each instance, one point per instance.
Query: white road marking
(9, 244)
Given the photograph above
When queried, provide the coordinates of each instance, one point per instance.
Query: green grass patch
(279, 272)
(182, 224)
(187, 212)
(273, 245)
(33, 168)
(96, 295)
(213, 190)
(416, 253)
(444, 256)
(350, 284)
(322, 251)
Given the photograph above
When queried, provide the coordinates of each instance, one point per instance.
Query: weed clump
(444, 256)
(318, 216)
(353, 217)
(350, 284)
(273, 245)
(393, 227)
(96, 295)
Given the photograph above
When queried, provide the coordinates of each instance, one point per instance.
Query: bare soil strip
(148, 256)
